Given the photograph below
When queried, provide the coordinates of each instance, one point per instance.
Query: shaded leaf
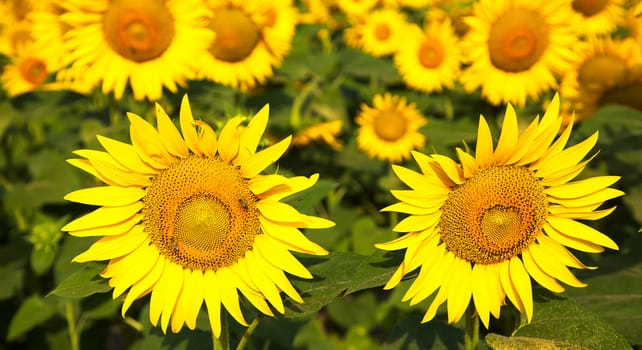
(410, 334)
(31, 313)
(82, 283)
(500, 342)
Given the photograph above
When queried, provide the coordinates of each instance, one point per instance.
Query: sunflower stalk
(248, 333)
(71, 326)
(471, 328)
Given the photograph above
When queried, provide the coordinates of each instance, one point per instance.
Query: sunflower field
(320, 174)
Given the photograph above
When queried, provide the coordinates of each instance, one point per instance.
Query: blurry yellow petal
(104, 216)
(188, 129)
(581, 231)
(126, 155)
(576, 214)
(148, 143)
(406, 208)
(484, 147)
(507, 138)
(113, 246)
(169, 135)
(281, 212)
(565, 175)
(112, 170)
(111, 196)
(276, 187)
(262, 159)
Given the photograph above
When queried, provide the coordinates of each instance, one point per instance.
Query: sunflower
(356, 8)
(27, 71)
(325, 131)
(251, 37)
(482, 228)
(382, 32)
(598, 17)
(389, 129)
(150, 43)
(430, 60)
(604, 64)
(190, 219)
(515, 48)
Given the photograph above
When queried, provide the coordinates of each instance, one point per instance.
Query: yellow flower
(605, 65)
(390, 129)
(190, 219)
(597, 17)
(356, 8)
(326, 132)
(150, 44)
(251, 37)
(27, 71)
(483, 228)
(382, 32)
(515, 48)
(429, 60)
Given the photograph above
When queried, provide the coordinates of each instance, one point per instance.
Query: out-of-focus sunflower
(190, 219)
(389, 129)
(515, 48)
(150, 44)
(603, 65)
(251, 37)
(326, 132)
(482, 228)
(27, 71)
(597, 17)
(356, 8)
(430, 59)
(13, 35)
(382, 32)
(48, 31)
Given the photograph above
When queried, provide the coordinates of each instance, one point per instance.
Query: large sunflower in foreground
(151, 44)
(190, 219)
(483, 228)
(516, 48)
(389, 129)
(251, 37)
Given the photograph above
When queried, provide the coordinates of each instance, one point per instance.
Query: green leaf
(568, 322)
(11, 275)
(500, 342)
(42, 259)
(82, 283)
(410, 334)
(31, 313)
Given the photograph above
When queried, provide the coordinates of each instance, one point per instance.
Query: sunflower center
(201, 214)
(431, 54)
(382, 32)
(626, 94)
(494, 215)
(517, 40)
(390, 126)
(138, 30)
(236, 35)
(589, 8)
(599, 71)
(34, 71)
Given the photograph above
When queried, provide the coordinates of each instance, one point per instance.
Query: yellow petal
(459, 289)
(113, 246)
(572, 213)
(247, 287)
(291, 237)
(280, 257)
(540, 146)
(484, 147)
(148, 143)
(539, 275)
(572, 242)
(278, 277)
(145, 284)
(190, 300)
(427, 272)
(264, 283)
(434, 306)
(252, 134)
(211, 284)
(104, 216)
(565, 175)
(562, 254)
(112, 196)
(85, 165)
(262, 159)
(417, 222)
(507, 138)
(522, 283)
(420, 199)
(404, 241)
(452, 170)
(581, 231)
(187, 127)
(207, 142)
(109, 230)
(169, 135)
(406, 208)
(481, 295)
(437, 277)
(126, 155)
(112, 170)
(130, 268)
(276, 187)
(552, 267)
(569, 156)
(417, 181)
(507, 284)
(165, 295)
(524, 142)
(581, 188)
(229, 296)
(468, 163)
(228, 141)
(598, 197)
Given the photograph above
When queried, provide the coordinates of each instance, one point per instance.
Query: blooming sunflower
(382, 32)
(515, 48)
(150, 43)
(326, 132)
(597, 17)
(250, 38)
(604, 63)
(190, 218)
(482, 228)
(356, 8)
(430, 60)
(27, 71)
(389, 129)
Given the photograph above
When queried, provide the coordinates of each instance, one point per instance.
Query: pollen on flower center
(236, 35)
(589, 8)
(138, 30)
(382, 32)
(390, 126)
(494, 215)
(201, 214)
(34, 71)
(517, 40)
(431, 54)
(598, 71)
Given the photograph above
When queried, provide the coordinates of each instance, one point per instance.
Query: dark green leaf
(410, 334)
(500, 342)
(82, 283)
(31, 313)
(42, 259)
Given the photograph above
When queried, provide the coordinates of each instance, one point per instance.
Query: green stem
(71, 325)
(248, 333)
(223, 341)
(299, 100)
(472, 328)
